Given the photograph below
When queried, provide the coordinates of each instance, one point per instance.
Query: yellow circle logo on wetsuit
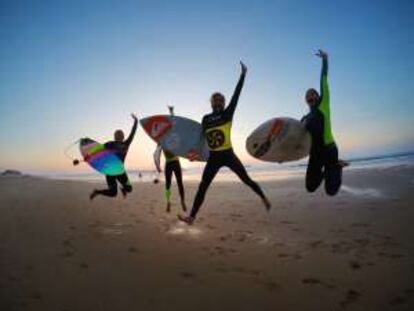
(218, 137)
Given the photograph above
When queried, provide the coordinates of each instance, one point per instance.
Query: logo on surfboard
(157, 127)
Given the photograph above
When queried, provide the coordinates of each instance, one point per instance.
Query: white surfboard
(279, 140)
(181, 136)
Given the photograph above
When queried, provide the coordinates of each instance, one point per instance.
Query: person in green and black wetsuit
(323, 159)
(172, 165)
(217, 131)
(120, 147)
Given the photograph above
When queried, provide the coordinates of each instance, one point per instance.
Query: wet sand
(355, 251)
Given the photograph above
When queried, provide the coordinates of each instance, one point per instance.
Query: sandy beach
(355, 251)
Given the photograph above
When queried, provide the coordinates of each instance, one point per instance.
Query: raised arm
(171, 110)
(324, 91)
(128, 141)
(157, 158)
(235, 98)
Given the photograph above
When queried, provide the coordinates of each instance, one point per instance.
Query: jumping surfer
(217, 130)
(172, 165)
(120, 147)
(323, 161)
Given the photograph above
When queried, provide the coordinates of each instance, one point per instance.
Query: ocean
(259, 172)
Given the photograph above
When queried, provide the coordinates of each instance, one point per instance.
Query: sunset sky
(70, 69)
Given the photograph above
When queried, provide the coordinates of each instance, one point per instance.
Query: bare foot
(93, 195)
(187, 219)
(124, 193)
(184, 207)
(267, 204)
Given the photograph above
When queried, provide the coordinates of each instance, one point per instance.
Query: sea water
(259, 172)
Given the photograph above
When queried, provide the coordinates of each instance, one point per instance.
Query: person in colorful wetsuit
(120, 147)
(323, 159)
(172, 165)
(217, 131)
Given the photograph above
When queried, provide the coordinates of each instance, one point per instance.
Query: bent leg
(333, 172)
(179, 177)
(112, 190)
(210, 171)
(314, 173)
(168, 175)
(237, 167)
(124, 181)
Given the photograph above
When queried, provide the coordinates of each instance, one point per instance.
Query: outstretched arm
(128, 141)
(157, 158)
(324, 91)
(235, 98)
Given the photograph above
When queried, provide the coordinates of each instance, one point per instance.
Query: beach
(354, 251)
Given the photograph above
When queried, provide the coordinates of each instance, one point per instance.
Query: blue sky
(70, 69)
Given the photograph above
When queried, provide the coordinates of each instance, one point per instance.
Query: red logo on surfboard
(157, 127)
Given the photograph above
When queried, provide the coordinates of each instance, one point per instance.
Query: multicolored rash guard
(217, 125)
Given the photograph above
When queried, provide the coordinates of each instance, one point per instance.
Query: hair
(217, 94)
(313, 91)
(118, 133)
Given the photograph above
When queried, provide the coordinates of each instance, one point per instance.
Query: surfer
(120, 147)
(172, 165)
(217, 130)
(323, 159)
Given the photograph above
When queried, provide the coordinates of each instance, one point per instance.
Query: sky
(70, 69)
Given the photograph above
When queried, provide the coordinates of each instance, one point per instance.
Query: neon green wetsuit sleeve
(324, 105)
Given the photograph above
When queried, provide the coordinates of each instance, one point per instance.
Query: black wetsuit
(323, 160)
(217, 130)
(121, 150)
(172, 165)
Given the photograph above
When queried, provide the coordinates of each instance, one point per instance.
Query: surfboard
(181, 136)
(279, 140)
(99, 158)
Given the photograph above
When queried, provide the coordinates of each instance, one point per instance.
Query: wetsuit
(217, 131)
(120, 148)
(323, 159)
(172, 165)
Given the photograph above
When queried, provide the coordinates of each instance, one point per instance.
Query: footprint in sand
(132, 249)
(398, 300)
(270, 285)
(311, 281)
(291, 256)
(315, 281)
(315, 244)
(360, 225)
(355, 265)
(36, 295)
(67, 254)
(351, 297)
(221, 270)
(187, 275)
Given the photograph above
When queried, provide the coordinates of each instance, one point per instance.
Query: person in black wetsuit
(323, 159)
(172, 165)
(120, 147)
(217, 131)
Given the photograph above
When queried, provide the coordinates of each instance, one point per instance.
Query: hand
(134, 117)
(243, 68)
(322, 54)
